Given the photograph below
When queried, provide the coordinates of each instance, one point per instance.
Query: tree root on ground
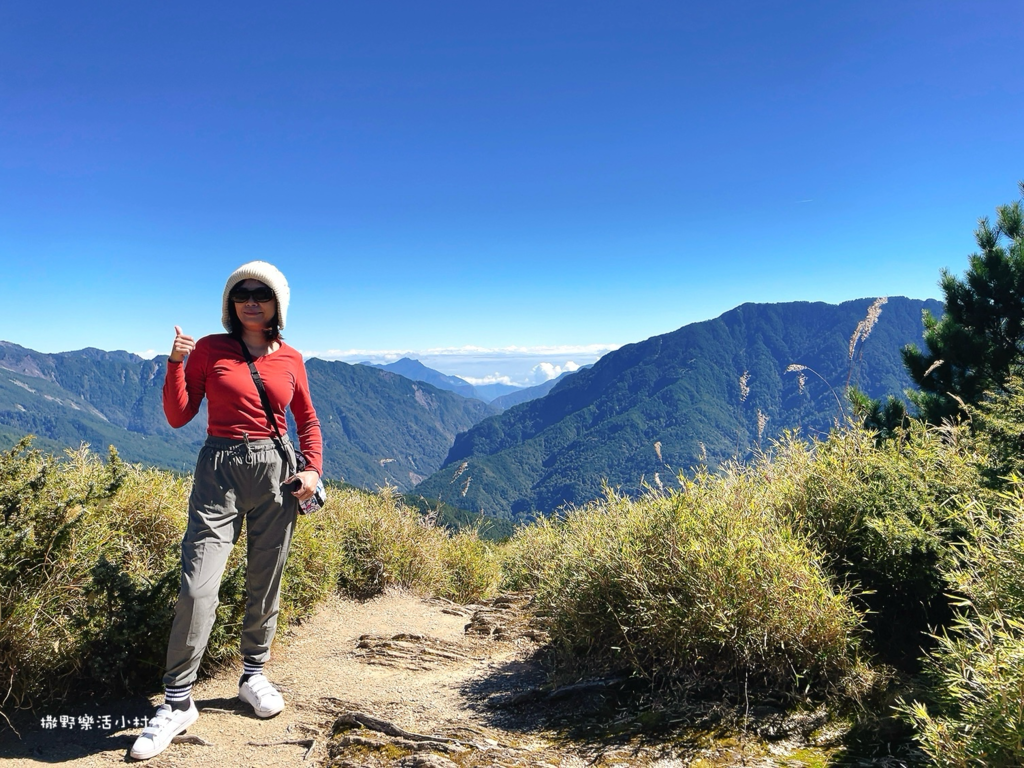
(407, 739)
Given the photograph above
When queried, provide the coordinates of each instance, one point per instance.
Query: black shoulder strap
(279, 443)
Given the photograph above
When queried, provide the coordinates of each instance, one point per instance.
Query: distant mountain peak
(417, 371)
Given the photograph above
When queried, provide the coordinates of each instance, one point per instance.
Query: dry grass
(785, 571)
(89, 569)
(705, 581)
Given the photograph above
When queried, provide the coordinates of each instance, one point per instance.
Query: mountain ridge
(380, 427)
(417, 371)
(657, 406)
(105, 398)
(530, 393)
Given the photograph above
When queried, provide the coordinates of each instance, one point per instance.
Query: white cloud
(494, 378)
(149, 354)
(547, 371)
(518, 366)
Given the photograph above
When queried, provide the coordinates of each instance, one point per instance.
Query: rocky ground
(404, 681)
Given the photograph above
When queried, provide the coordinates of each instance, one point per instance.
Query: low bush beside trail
(885, 518)
(697, 581)
(801, 568)
(972, 711)
(362, 543)
(48, 548)
(90, 568)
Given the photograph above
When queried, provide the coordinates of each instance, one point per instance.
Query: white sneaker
(266, 700)
(163, 726)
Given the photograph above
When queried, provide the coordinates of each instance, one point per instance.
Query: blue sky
(504, 182)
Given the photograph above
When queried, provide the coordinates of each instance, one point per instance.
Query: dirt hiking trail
(397, 680)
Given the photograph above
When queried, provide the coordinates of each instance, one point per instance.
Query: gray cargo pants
(235, 480)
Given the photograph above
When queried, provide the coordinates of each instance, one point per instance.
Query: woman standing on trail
(243, 473)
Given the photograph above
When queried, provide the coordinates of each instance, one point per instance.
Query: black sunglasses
(242, 295)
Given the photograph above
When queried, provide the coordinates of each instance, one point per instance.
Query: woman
(240, 475)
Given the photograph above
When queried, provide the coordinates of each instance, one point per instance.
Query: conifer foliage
(980, 340)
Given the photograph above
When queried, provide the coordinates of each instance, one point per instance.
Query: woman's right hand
(183, 346)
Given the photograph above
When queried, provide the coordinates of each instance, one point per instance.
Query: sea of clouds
(515, 366)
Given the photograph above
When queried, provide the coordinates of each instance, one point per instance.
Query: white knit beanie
(265, 273)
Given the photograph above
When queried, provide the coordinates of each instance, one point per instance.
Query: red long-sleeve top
(217, 370)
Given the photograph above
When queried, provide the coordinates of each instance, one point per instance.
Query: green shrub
(976, 696)
(90, 569)
(528, 558)
(884, 518)
(973, 714)
(130, 595)
(382, 544)
(47, 551)
(472, 568)
(999, 423)
(705, 581)
(125, 626)
(771, 570)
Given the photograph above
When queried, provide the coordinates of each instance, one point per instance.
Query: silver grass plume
(864, 327)
(873, 313)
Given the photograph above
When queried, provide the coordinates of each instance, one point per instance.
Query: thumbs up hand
(183, 345)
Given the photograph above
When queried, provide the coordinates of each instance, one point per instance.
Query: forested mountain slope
(660, 405)
(379, 427)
